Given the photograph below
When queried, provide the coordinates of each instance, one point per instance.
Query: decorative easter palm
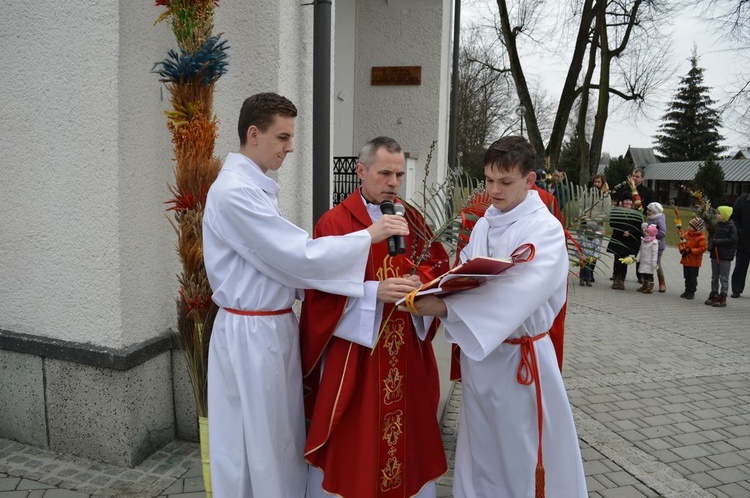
(190, 74)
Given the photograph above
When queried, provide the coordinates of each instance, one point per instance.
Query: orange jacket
(696, 244)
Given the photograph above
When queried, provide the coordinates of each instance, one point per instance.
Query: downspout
(321, 130)
(453, 121)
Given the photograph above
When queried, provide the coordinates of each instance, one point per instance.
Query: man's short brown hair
(260, 110)
(507, 153)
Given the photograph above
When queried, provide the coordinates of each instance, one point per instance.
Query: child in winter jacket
(721, 247)
(590, 242)
(647, 257)
(655, 213)
(692, 255)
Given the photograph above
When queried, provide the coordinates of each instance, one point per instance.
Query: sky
(687, 31)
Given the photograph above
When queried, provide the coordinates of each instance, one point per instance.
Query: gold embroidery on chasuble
(392, 427)
(392, 359)
(386, 270)
(391, 477)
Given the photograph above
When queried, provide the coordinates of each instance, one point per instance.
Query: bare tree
(606, 31)
(732, 21)
(487, 101)
(483, 90)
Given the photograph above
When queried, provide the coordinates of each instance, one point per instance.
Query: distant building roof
(735, 170)
(641, 157)
(742, 154)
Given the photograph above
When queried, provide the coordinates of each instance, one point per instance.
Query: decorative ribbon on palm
(680, 231)
(190, 74)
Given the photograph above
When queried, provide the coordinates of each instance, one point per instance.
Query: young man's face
(637, 178)
(507, 189)
(269, 148)
(381, 181)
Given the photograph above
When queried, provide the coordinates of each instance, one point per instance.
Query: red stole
(373, 426)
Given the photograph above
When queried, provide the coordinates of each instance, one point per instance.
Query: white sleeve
(361, 320)
(422, 325)
(252, 227)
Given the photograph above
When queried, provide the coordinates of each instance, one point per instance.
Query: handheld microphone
(396, 243)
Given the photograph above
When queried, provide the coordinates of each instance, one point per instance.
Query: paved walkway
(660, 389)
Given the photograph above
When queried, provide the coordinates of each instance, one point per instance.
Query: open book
(472, 273)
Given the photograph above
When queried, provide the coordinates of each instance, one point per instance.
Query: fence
(345, 180)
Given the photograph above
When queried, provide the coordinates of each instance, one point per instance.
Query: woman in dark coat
(626, 237)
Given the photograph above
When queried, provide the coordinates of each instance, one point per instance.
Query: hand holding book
(468, 275)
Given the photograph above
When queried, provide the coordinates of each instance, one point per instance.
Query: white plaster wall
(148, 261)
(87, 254)
(270, 51)
(388, 35)
(59, 261)
(345, 45)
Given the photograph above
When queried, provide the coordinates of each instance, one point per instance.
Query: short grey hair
(370, 149)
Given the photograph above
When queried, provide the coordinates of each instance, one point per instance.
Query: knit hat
(655, 208)
(726, 212)
(697, 224)
(650, 231)
(592, 225)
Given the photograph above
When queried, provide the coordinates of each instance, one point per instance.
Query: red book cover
(472, 273)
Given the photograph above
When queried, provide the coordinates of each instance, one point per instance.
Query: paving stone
(729, 475)
(9, 483)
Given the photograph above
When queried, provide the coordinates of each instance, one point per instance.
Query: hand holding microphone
(387, 226)
(396, 243)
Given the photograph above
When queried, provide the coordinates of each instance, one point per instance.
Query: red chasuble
(373, 425)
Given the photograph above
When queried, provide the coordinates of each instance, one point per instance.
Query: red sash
(259, 312)
(528, 373)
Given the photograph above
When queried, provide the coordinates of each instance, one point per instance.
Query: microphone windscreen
(386, 207)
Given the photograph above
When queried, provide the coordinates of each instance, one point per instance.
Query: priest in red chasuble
(371, 382)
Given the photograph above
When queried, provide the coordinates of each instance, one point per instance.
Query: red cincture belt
(528, 373)
(258, 313)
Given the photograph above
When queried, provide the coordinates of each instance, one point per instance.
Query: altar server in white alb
(516, 437)
(257, 263)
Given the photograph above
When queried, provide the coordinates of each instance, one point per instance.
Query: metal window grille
(345, 179)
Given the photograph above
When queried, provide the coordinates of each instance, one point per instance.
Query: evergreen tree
(570, 159)
(617, 173)
(689, 131)
(710, 179)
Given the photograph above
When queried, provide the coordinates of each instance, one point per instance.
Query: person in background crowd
(655, 214)
(559, 189)
(625, 239)
(647, 256)
(721, 247)
(692, 255)
(590, 243)
(541, 176)
(741, 220)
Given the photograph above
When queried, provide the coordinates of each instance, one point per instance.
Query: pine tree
(617, 173)
(689, 131)
(710, 179)
(570, 159)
